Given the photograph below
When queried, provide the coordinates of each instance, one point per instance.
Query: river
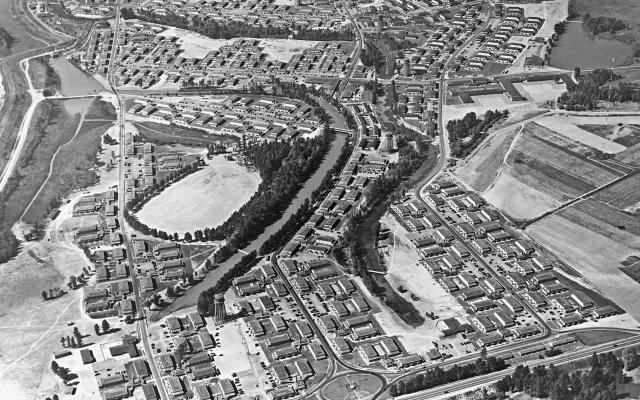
(577, 48)
(191, 297)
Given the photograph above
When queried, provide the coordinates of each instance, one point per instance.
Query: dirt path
(504, 160)
(53, 159)
(36, 98)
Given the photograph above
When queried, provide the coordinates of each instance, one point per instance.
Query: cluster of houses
(321, 231)
(97, 55)
(320, 15)
(109, 299)
(146, 166)
(294, 355)
(347, 318)
(104, 231)
(496, 45)
(122, 372)
(429, 59)
(494, 303)
(418, 109)
(147, 58)
(254, 117)
(191, 371)
(165, 263)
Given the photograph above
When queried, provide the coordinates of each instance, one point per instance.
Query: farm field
(605, 220)
(533, 170)
(214, 193)
(562, 125)
(596, 257)
(625, 134)
(517, 199)
(624, 195)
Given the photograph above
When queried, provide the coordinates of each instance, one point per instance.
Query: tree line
(206, 299)
(438, 376)
(235, 29)
(304, 212)
(467, 133)
(597, 382)
(599, 85)
(361, 233)
(138, 201)
(596, 25)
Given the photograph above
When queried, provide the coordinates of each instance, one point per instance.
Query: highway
(142, 321)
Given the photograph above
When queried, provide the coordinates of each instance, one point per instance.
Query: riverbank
(191, 297)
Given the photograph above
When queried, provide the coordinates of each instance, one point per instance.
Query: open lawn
(596, 257)
(203, 199)
(37, 72)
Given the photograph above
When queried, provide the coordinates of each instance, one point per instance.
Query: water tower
(220, 312)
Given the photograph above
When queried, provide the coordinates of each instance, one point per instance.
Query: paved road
(142, 322)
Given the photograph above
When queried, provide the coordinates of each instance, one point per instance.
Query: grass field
(101, 110)
(37, 72)
(169, 134)
(204, 199)
(72, 168)
(51, 127)
(594, 338)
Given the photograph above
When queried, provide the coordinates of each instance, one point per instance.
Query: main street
(142, 321)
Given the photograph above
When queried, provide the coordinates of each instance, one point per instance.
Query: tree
(73, 282)
(105, 326)
(77, 335)
(54, 366)
(73, 342)
(96, 329)
(63, 341)
(68, 341)
(188, 237)
(170, 291)
(176, 237)
(45, 296)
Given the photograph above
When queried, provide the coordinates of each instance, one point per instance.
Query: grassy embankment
(43, 76)
(170, 134)
(72, 168)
